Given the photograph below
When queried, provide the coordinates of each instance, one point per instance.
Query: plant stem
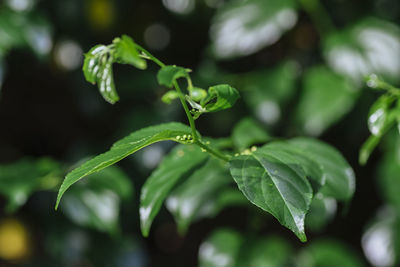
(212, 151)
(150, 56)
(318, 15)
(192, 124)
(186, 108)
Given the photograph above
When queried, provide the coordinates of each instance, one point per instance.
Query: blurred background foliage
(299, 66)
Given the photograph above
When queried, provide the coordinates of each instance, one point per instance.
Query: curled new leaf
(97, 66)
(220, 97)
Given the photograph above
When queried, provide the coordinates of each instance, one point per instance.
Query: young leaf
(220, 97)
(340, 180)
(97, 68)
(187, 199)
(248, 132)
(221, 249)
(123, 148)
(168, 74)
(179, 162)
(126, 52)
(91, 64)
(276, 184)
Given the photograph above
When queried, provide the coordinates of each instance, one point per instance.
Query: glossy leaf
(172, 169)
(326, 97)
(187, 199)
(248, 132)
(95, 202)
(366, 47)
(241, 28)
(220, 97)
(221, 249)
(24, 177)
(276, 184)
(293, 155)
(124, 148)
(168, 74)
(340, 180)
(126, 52)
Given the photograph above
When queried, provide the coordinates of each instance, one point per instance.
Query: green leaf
(168, 74)
(124, 148)
(248, 132)
(340, 180)
(292, 154)
(220, 97)
(95, 202)
(321, 212)
(275, 183)
(364, 48)
(22, 178)
(187, 199)
(172, 169)
(221, 249)
(326, 98)
(329, 253)
(241, 28)
(126, 52)
(378, 118)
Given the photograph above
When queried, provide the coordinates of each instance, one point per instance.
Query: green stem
(196, 139)
(150, 56)
(210, 150)
(318, 15)
(186, 108)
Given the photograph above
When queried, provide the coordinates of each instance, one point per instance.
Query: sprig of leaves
(280, 177)
(383, 115)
